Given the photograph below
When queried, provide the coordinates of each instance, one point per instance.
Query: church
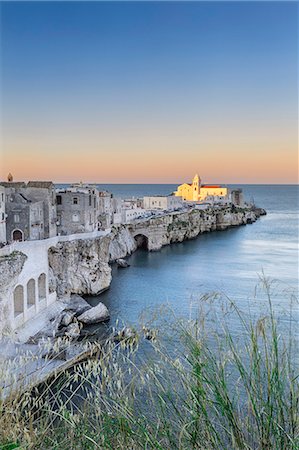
(195, 191)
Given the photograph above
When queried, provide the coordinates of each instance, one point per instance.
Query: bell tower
(196, 188)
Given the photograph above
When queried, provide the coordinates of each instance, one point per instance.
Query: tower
(196, 188)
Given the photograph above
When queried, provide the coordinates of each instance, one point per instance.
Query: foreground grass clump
(196, 385)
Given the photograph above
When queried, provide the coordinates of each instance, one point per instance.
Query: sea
(242, 265)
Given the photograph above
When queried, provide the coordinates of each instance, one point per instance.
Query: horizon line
(166, 184)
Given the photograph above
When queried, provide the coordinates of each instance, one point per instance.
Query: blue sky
(172, 86)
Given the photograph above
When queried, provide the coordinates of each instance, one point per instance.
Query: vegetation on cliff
(193, 385)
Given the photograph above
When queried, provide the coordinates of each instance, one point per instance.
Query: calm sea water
(229, 262)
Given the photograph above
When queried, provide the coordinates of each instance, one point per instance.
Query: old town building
(196, 191)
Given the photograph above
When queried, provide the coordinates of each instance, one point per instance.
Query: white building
(2, 215)
(126, 211)
(130, 214)
(166, 203)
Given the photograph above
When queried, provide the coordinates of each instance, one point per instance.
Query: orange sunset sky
(139, 92)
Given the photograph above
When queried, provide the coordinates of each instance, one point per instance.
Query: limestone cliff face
(80, 266)
(177, 227)
(122, 243)
(10, 268)
(191, 224)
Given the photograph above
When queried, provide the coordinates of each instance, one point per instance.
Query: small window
(16, 218)
(58, 198)
(75, 201)
(90, 200)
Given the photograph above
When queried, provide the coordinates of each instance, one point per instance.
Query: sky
(149, 92)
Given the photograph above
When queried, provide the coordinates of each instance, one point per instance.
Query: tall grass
(196, 385)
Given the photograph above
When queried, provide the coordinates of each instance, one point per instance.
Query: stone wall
(10, 269)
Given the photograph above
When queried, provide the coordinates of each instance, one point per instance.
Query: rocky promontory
(181, 226)
(83, 266)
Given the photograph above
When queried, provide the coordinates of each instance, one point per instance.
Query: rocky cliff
(82, 266)
(122, 243)
(177, 227)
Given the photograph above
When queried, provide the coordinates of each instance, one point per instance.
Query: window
(76, 217)
(42, 292)
(90, 200)
(30, 293)
(16, 218)
(59, 199)
(75, 201)
(18, 300)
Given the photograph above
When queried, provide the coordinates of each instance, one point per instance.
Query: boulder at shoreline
(96, 314)
(122, 263)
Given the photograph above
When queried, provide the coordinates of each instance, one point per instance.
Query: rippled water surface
(229, 262)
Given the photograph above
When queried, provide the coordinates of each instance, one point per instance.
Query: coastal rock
(96, 314)
(122, 263)
(81, 266)
(66, 318)
(78, 305)
(73, 330)
(180, 226)
(122, 243)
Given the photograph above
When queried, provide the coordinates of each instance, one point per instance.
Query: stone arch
(31, 293)
(141, 240)
(17, 235)
(18, 300)
(42, 289)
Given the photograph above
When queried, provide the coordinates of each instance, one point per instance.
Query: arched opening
(18, 299)
(142, 241)
(42, 293)
(30, 293)
(17, 235)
